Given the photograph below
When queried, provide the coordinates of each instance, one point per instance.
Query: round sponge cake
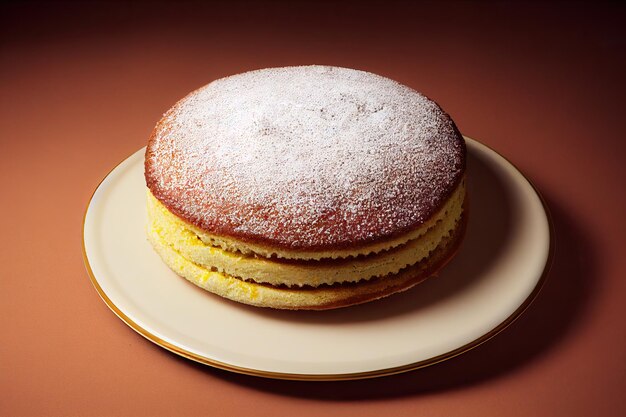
(316, 187)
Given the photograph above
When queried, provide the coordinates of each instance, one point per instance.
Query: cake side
(298, 272)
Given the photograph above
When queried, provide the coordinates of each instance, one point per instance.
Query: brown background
(81, 86)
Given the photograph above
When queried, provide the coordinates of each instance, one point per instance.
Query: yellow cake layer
(319, 298)
(452, 207)
(183, 238)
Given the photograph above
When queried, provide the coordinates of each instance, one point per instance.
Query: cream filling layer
(182, 237)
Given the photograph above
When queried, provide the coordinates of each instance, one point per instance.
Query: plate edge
(331, 377)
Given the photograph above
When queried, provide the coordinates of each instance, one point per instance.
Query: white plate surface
(498, 271)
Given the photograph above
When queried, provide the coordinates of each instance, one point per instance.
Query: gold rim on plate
(332, 377)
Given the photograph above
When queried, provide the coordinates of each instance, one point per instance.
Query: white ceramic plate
(496, 274)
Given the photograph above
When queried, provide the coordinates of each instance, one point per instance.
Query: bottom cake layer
(308, 298)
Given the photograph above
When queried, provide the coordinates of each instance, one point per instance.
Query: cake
(308, 187)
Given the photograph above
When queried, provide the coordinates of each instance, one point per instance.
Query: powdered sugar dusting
(305, 157)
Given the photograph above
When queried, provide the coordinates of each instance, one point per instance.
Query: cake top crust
(305, 158)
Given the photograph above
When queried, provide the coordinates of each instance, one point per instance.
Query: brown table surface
(81, 87)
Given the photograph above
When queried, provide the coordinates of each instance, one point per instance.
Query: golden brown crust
(365, 214)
